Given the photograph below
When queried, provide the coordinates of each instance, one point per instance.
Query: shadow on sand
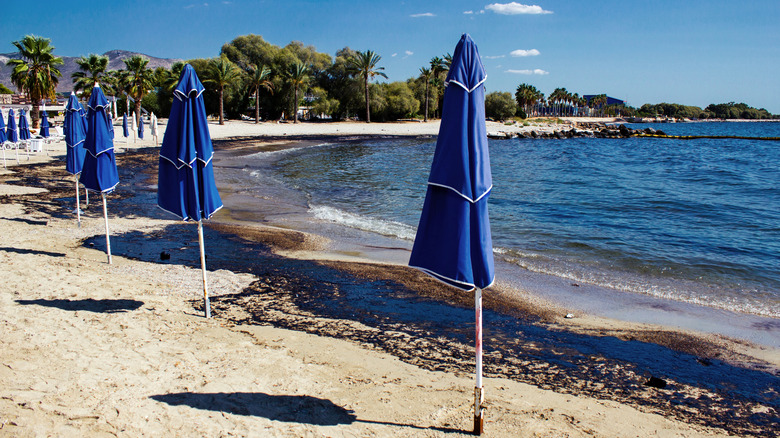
(89, 305)
(302, 409)
(32, 251)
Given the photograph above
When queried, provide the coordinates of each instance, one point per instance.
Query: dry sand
(91, 349)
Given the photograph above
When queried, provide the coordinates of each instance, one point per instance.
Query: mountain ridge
(116, 59)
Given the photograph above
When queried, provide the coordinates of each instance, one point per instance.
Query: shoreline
(263, 290)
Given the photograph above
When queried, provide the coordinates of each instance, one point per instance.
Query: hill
(115, 62)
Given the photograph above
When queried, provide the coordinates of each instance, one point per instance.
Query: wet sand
(325, 347)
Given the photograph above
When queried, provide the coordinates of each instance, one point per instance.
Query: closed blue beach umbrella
(24, 127)
(99, 173)
(12, 134)
(3, 137)
(75, 130)
(141, 127)
(44, 125)
(453, 242)
(125, 131)
(186, 184)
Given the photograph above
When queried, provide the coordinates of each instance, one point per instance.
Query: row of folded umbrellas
(14, 133)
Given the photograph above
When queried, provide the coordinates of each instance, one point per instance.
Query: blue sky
(689, 52)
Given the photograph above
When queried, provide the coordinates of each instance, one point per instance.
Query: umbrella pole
(479, 395)
(78, 208)
(105, 217)
(203, 269)
(86, 195)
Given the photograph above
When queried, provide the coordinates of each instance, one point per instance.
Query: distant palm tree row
(278, 79)
(559, 103)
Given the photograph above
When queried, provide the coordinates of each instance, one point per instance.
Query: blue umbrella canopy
(453, 242)
(99, 173)
(186, 184)
(125, 131)
(44, 124)
(75, 130)
(141, 127)
(11, 132)
(3, 137)
(24, 126)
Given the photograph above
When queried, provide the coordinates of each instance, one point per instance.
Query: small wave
(278, 152)
(365, 223)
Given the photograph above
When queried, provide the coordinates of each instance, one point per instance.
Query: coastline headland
(305, 341)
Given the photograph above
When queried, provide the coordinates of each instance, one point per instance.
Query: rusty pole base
(479, 425)
(479, 411)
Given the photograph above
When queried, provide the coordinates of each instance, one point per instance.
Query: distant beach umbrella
(453, 242)
(44, 125)
(125, 131)
(24, 127)
(75, 130)
(141, 127)
(3, 137)
(186, 184)
(100, 173)
(153, 127)
(12, 132)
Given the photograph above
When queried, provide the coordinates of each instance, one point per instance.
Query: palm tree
(93, 70)
(425, 74)
(138, 80)
(365, 64)
(259, 77)
(222, 73)
(526, 95)
(298, 76)
(36, 73)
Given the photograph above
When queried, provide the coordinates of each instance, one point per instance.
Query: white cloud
(520, 53)
(515, 8)
(426, 14)
(409, 53)
(468, 12)
(536, 71)
(494, 57)
(393, 55)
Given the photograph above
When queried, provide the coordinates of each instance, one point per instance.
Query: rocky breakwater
(592, 130)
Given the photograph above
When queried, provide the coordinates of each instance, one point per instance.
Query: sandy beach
(91, 349)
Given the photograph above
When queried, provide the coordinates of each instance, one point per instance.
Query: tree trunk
(221, 106)
(426, 101)
(138, 111)
(257, 105)
(295, 107)
(35, 115)
(368, 110)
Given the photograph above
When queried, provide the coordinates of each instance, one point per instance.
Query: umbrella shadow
(26, 221)
(32, 251)
(89, 305)
(302, 409)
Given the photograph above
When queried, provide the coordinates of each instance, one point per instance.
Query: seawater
(690, 220)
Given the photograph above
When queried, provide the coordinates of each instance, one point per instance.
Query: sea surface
(693, 221)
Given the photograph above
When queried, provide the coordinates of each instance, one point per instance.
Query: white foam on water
(364, 223)
(281, 152)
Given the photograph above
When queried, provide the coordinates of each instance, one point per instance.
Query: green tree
(223, 73)
(298, 75)
(5, 90)
(36, 73)
(137, 80)
(365, 65)
(499, 105)
(259, 76)
(93, 70)
(526, 96)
